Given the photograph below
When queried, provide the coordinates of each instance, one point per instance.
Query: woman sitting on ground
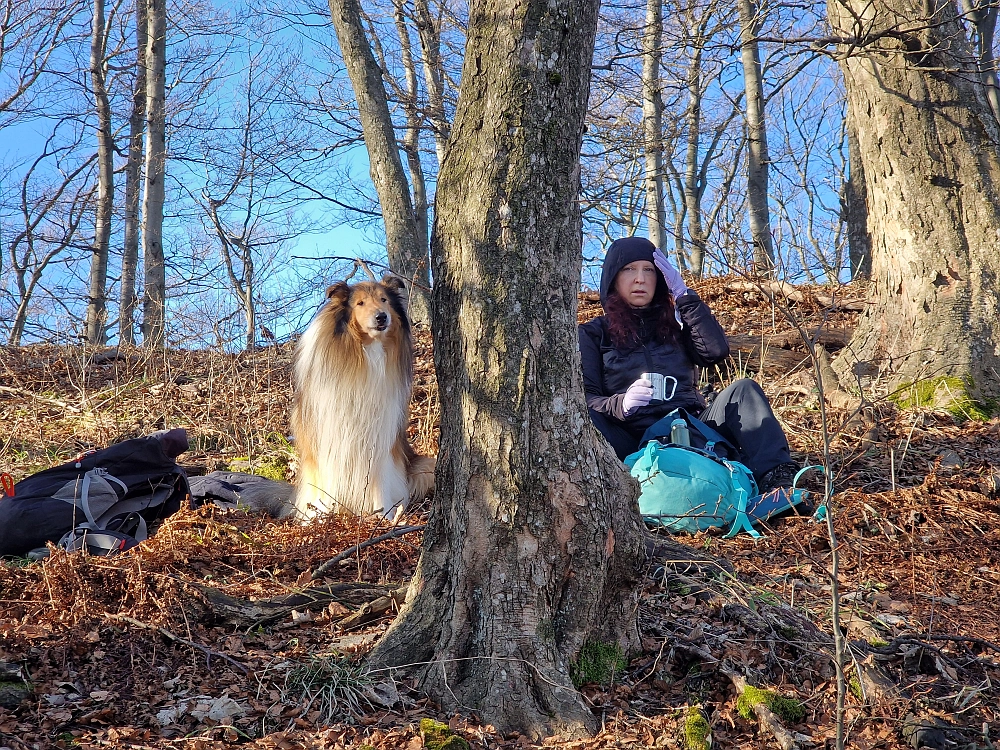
(653, 323)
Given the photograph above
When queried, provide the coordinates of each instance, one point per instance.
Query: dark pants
(741, 413)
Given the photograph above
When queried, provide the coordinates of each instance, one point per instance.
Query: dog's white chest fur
(357, 421)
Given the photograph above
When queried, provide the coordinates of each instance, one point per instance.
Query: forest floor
(130, 652)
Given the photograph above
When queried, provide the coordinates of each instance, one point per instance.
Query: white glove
(672, 276)
(638, 394)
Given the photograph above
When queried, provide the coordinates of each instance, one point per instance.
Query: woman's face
(636, 282)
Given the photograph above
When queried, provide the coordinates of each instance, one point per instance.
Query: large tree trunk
(758, 160)
(927, 137)
(133, 184)
(534, 542)
(407, 253)
(854, 208)
(97, 300)
(155, 286)
(652, 123)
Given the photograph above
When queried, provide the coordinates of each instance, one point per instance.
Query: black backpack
(104, 501)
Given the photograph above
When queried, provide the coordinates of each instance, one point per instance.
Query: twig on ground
(358, 547)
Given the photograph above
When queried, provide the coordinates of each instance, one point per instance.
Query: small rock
(951, 460)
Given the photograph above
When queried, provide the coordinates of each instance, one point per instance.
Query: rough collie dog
(353, 372)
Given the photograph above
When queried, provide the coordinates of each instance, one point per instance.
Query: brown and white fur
(353, 373)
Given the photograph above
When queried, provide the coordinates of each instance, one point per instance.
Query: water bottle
(679, 434)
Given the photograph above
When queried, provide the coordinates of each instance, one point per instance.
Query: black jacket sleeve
(591, 335)
(703, 337)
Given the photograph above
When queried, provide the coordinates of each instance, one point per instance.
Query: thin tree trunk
(133, 185)
(928, 141)
(155, 286)
(403, 243)
(983, 15)
(652, 123)
(534, 541)
(430, 42)
(411, 140)
(692, 184)
(758, 159)
(97, 301)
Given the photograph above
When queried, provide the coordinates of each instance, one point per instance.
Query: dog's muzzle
(381, 321)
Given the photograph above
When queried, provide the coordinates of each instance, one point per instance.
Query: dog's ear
(391, 281)
(339, 292)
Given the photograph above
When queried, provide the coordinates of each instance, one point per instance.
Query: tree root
(373, 601)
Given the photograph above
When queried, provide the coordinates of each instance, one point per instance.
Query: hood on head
(622, 252)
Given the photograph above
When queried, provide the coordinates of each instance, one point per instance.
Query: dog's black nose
(381, 319)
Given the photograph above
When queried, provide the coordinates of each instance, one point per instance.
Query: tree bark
(855, 208)
(407, 254)
(928, 141)
(97, 299)
(155, 286)
(758, 160)
(133, 184)
(652, 123)
(534, 543)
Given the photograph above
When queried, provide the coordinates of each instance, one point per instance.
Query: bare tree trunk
(430, 42)
(133, 185)
(155, 286)
(928, 140)
(403, 243)
(652, 123)
(411, 140)
(534, 541)
(97, 300)
(855, 208)
(758, 159)
(693, 186)
(983, 15)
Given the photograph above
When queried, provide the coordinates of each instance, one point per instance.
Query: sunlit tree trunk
(983, 16)
(758, 161)
(97, 304)
(534, 540)
(403, 242)
(155, 286)
(430, 43)
(928, 141)
(855, 208)
(652, 123)
(133, 185)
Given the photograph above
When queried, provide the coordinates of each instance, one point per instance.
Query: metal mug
(660, 385)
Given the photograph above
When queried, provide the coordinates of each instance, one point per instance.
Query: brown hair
(623, 319)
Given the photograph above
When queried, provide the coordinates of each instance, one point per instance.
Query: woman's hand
(640, 393)
(672, 276)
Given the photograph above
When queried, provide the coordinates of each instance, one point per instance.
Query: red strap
(8, 484)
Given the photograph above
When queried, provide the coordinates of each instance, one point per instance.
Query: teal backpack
(689, 489)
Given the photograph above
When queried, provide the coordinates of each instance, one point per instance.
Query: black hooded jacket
(609, 371)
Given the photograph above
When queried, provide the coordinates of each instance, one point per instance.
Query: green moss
(437, 736)
(950, 393)
(597, 663)
(784, 708)
(854, 686)
(275, 468)
(697, 732)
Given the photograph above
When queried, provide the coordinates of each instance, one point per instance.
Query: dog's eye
(385, 299)
(361, 303)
